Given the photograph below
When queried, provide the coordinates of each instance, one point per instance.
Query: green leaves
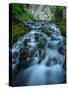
(19, 11)
(58, 14)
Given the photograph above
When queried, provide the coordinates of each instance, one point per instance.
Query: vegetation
(18, 11)
(18, 29)
(19, 14)
(59, 16)
(62, 25)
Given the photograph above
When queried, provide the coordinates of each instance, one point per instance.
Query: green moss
(17, 30)
(62, 25)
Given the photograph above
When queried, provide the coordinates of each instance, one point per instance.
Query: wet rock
(14, 57)
(26, 41)
(42, 55)
(51, 62)
(36, 36)
(23, 63)
(62, 50)
(41, 44)
(31, 52)
(46, 31)
(26, 53)
(23, 54)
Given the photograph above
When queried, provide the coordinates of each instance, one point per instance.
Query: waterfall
(43, 56)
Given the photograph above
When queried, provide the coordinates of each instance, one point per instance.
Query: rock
(23, 63)
(46, 31)
(51, 62)
(42, 55)
(26, 41)
(36, 36)
(31, 52)
(62, 50)
(41, 44)
(14, 56)
(23, 54)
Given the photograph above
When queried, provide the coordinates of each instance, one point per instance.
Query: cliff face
(45, 12)
(42, 12)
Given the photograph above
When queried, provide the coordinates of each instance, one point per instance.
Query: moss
(62, 25)
(46, 31)
(17, 30)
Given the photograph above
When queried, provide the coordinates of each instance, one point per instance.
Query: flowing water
(46, 62)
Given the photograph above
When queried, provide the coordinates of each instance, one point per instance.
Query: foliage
(58, 13)
(19, 14)
(18, 11)
(58, 17)
(62, 25)
(18, 29)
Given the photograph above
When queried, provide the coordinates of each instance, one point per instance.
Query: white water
(47, 69)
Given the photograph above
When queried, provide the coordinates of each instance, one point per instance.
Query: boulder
(41, 44)
(36, 36)
(31, 52)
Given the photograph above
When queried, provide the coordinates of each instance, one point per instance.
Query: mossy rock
(41, 45)
(23, 54)
(42, 54)
(31, 52)
(51, 62)
(18, 29)
(23, 59)
(18, 10)
(46, 31)
(26, 41)
(62, 25)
